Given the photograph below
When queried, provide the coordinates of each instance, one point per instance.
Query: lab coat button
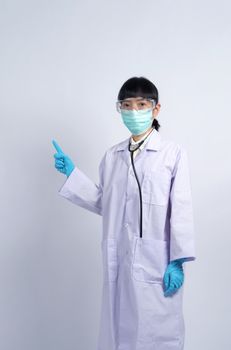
(126, 224)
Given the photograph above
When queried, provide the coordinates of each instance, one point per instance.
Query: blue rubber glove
(62, 162)
(173, 277)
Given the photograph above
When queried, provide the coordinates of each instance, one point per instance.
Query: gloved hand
(62, 162)
(173, 277)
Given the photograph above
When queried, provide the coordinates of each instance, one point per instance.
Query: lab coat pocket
(150, 260)
(155, 187)
(109, 259)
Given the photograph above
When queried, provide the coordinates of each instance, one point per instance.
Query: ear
(156, 110)
(158, 105)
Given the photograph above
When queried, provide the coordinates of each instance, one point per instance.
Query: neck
(140, 136)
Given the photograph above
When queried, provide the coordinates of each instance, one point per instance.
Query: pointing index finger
(57, 147)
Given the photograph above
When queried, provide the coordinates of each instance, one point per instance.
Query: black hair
(140, 86)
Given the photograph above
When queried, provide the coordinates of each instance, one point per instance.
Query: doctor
(144, 197)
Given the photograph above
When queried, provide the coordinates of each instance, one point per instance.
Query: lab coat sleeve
(182, 243)
(82, 191)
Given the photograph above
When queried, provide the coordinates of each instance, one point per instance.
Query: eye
(125, 104)
(142, 104)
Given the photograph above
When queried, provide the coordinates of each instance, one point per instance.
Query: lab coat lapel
(153, 144)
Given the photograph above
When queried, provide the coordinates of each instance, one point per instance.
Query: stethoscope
(140, 192)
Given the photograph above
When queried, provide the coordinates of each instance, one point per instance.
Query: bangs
(138, 86)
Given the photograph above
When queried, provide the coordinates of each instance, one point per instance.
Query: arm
(82, 191)
(181, 213)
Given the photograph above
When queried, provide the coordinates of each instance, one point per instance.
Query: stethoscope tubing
(136, 176)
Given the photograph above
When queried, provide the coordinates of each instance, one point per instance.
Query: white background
(62, 64)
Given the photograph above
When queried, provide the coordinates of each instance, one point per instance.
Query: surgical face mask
(139, 121)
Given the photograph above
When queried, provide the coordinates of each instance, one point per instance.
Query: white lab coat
(135, 314)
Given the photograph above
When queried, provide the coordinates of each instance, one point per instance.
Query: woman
(144, 198)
